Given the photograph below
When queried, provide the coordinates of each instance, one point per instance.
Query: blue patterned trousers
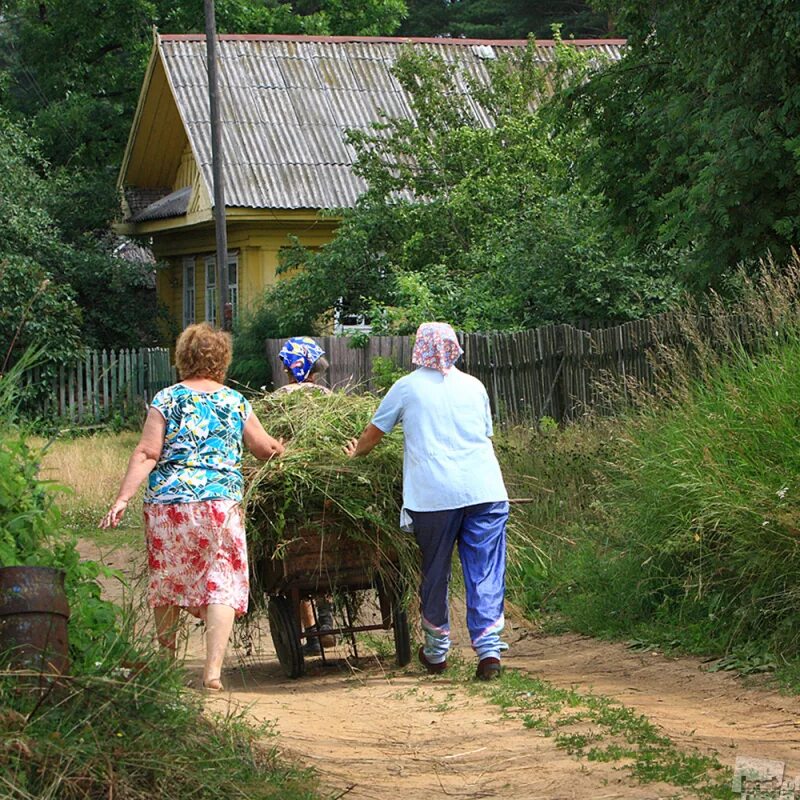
(479, 531)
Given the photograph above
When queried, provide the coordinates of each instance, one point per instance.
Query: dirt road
(376, 732)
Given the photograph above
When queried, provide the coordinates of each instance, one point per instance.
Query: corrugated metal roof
(287, 100)
(174, 204)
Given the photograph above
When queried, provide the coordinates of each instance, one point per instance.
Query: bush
(254, 326)
(137, 734)
(31, 534)
(678, 522)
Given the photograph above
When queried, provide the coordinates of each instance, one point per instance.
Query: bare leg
(219, 624)
(306, 614)
(167, 621)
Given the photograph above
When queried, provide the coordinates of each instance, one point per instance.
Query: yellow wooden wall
(257, 246)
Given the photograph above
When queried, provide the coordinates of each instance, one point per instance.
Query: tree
(503, 19)
(696, 132)
(71, 70)
(35, 308)
(486, 227)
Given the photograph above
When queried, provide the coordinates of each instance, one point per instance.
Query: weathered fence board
(559, 371)
(104, 383)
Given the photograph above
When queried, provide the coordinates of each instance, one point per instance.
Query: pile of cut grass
(315, 486)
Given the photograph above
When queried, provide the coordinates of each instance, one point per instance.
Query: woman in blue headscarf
(305, 363)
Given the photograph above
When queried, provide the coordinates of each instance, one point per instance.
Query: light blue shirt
(448, 457)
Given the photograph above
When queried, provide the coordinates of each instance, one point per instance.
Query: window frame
(189, 293)
(211, 290)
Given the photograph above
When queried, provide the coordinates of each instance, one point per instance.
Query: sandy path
(380, 733)
(713, 711)
(377, 732)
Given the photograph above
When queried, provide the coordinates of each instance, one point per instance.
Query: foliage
(30, 534)
(134, 732)
(385, 372)
(676, 523)
(45, 279)
(503, 19)
(483, 226)
(34, 308)
(695, 139)
(252, 327)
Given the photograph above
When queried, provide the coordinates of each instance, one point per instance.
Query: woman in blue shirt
(190, 452)
(453, 493)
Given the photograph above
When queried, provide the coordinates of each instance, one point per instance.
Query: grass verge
(136, 733)
(676, 525)
(597, 728)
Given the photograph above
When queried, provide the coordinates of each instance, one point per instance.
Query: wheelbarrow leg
(348, 610)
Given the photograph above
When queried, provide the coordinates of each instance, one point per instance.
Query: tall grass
(133, 733)
(682, 520)
(90, 470)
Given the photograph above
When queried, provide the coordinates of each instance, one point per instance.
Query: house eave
(269, 217)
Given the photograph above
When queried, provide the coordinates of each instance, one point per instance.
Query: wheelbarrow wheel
(285, 632)
(402, 637)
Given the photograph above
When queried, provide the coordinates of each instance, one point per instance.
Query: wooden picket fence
(557, 371)
(101, 384)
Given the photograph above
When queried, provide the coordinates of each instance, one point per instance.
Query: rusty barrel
(33, 619)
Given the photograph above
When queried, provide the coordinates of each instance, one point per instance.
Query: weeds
(599, 728)
(133, 733)
(676, 522)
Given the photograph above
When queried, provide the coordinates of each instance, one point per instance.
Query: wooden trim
(137, 116)
(280, 37)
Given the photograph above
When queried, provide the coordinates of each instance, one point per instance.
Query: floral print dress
(196, 545)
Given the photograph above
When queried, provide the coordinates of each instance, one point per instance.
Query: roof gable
(286, 102)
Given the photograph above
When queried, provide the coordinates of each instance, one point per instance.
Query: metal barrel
(33, 619)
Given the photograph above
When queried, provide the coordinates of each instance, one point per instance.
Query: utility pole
(225, 311)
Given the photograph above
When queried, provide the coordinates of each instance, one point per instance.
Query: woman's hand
(259, 442)
(114, 515)
(370, 437)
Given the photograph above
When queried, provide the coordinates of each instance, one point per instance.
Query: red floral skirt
(197, 554)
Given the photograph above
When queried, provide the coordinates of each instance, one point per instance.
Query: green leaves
(486, 227)
(690, 132)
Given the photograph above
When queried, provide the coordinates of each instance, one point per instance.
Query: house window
(233, 282)
(188, 292)
(211, 286)
(211, 290)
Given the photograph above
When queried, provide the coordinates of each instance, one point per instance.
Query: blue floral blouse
(202, 454)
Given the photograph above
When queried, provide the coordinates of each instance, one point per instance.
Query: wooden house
(285, 104)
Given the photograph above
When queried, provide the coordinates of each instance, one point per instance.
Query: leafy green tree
(486, 227)
(70, 72)
(697, 134)
(504, 19)
(34, 307)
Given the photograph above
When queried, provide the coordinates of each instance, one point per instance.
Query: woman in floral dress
(190, 451)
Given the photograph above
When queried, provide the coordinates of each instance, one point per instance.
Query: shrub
(677, 521)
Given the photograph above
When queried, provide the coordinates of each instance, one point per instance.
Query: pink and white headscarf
(436, 347)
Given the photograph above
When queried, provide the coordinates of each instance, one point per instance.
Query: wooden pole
(223, 304)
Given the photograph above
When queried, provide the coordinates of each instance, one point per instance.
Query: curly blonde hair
(203, 352)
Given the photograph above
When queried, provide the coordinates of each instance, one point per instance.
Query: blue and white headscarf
(299, 355)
